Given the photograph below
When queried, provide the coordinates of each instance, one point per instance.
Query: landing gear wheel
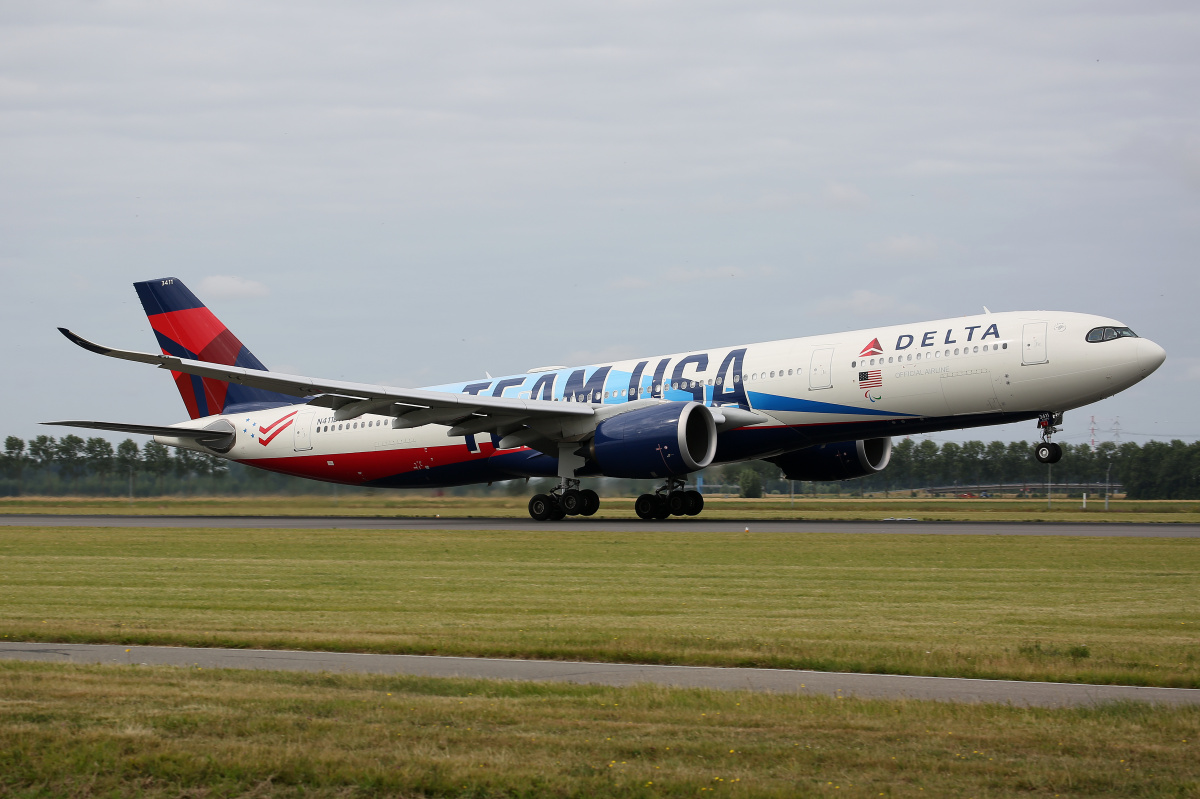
(541, 507)
(591, 502)
(1048, 452)
(694, 502)
(643, 506)
(677, 503)
(572, 502)
(662, 507)
(558, 514)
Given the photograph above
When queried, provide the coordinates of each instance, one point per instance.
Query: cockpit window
(1109, 333)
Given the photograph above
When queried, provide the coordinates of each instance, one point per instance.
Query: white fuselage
(945, 374)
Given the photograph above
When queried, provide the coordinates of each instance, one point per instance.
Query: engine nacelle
(841, 461)
(662, 441)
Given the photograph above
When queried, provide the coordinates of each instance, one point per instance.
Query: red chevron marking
(267, 439)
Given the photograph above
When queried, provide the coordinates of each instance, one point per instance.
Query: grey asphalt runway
(878, 686)
(689, 525)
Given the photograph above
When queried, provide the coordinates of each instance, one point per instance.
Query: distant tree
(971, 462)
(14, 457)
(157, 460)
(925, 463)
(99, 456)
(751, 484)
(901, 465)
(42, 451)
(1019, 464)
(69, 452)
(128, 460)
(992, 463)
(950, 465)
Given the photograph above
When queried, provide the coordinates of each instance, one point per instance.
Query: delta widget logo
(871, 349)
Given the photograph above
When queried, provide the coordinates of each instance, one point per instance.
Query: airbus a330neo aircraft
(822, 407)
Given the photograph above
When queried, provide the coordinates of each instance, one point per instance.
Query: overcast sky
(413, 193)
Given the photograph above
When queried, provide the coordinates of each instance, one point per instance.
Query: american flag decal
(872, 379)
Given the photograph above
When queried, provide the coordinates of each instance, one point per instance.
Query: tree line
(1155, 470)
(74, 465)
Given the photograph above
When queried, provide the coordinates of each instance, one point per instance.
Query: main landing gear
(670, 500)
(1047, 451)
(565, 500)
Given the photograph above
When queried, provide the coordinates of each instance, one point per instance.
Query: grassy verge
(105, 730)
(402, 505)
(1104, 610)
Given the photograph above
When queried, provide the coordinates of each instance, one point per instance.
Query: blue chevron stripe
(774, 402)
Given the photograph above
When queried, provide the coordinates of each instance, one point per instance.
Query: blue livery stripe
(774, 402)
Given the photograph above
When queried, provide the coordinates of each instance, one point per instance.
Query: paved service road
(879, 686)
(686, 525)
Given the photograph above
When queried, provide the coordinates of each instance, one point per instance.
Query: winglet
(83, 342)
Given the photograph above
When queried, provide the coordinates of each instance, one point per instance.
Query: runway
(684, 525)
(837, 684)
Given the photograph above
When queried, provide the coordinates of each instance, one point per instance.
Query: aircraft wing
(524, 421)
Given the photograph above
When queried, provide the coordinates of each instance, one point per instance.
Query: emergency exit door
(303, 429)
(820, 372)
(1033, 343)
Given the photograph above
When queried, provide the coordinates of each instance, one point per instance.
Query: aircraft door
(303, 428)
(1033, 343)
(820, 372)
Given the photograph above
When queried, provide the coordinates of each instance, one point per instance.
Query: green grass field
(408, 504)
(164, 732)
(1105, 610)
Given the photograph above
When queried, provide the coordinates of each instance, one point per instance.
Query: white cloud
(846, 195)
(228, 287)
(906, 246)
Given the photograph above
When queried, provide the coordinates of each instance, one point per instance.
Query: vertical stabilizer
(186, 328)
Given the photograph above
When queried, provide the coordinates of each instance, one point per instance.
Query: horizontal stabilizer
(217, 436)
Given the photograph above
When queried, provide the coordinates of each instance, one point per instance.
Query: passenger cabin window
(1109, 333)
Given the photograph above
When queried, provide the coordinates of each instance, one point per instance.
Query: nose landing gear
(670, 500)
(1047, 451)
(566, 499)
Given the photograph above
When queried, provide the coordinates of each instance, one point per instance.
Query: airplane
(821, 408)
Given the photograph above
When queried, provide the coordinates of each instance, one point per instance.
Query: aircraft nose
(1150, 356)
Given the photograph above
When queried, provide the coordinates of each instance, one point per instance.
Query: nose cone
(1150, 356)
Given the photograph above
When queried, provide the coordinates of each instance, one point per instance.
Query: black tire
(677, 502)
(643, 506)
(591, 502)
(1055, 454)
(1044, 452)
(662, 508)
(695, 503)
(572, 502)
(541, 507)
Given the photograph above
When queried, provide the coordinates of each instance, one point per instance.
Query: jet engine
(843, 460)
(661, 441)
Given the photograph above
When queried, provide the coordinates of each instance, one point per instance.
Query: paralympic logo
(872, 397)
